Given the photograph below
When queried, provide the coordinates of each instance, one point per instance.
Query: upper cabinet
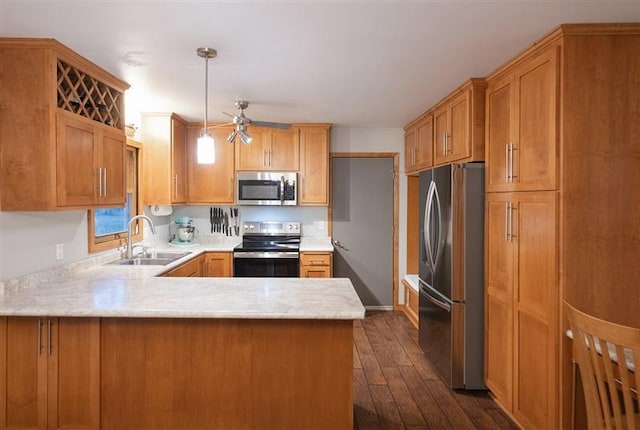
(64, 119)
(313, 180)
(451, 131)
(270, 149)
(521, 125)
(210, 183)
(459, 125)
(164, 159)
(418, 144)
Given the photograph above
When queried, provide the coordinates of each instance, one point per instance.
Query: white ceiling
(350, 63)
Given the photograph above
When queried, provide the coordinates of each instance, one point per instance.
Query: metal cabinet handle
(99, 181)
(49, 324)
(506, 221)
(39, 336)
(175, 185)
(506, 162)
(513, 176)
(104, 182)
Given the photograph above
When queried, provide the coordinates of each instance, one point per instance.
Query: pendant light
(206, 146)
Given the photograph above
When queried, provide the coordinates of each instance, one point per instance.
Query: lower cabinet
(49, 373)
(190, 269)
(522, 306)
(411, 304)
(316, 265)
(218, 264)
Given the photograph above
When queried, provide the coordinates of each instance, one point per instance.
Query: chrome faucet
(153, 230)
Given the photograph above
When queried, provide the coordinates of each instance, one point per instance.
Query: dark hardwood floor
(396, 387)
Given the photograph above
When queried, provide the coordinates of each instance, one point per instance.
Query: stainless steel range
(268, 249)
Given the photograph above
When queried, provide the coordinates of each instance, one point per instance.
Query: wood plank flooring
(396, 387)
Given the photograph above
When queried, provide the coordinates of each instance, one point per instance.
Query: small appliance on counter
(185, 232)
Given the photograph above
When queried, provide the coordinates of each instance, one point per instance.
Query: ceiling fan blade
(271, 124)
(226, 124)
(228, 114)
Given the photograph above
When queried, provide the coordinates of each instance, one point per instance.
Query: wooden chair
(607, 354)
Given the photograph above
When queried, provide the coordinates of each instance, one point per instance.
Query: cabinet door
(73, 373)
(253, 156)
(441, 133)
(218, 264)
(499, 284)
(284, 151)
(211, 183)
(534, 143)
(314, 166)
(190, 269)
(77, 176)
(410, 148)
(424, 143)
(23, 398)
(499, 110)
(112, 156)
(178, 161)
(458, 145)
(536, 309)
(521, 130)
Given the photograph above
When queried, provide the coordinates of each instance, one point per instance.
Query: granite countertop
(93, 288)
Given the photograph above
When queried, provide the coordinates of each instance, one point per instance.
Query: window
(108, 226)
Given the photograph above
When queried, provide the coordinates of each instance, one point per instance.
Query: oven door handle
(270, 254)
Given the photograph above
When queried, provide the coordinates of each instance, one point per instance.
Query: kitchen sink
(151, 259)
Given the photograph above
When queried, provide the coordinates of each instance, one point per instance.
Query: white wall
(380, 140)
(28, 239)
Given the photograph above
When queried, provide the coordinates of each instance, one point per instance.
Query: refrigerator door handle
(440, 242)
(428, 209)
(439, 303)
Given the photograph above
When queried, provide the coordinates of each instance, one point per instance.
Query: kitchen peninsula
(118, 347)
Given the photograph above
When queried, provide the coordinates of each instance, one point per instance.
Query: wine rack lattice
(85, 95)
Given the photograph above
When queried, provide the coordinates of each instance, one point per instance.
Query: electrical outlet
(59, 251)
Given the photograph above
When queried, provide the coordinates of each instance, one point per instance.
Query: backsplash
(312, 218)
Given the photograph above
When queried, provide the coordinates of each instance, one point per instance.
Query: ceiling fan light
(232, 136)
(206, 149)
(244, 137)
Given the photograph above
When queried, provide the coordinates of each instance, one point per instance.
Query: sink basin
(144, 261)
(151, 259)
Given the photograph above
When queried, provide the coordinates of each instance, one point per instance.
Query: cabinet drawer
(189, 269)
(315, 259)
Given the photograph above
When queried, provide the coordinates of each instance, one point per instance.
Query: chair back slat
(607, 355)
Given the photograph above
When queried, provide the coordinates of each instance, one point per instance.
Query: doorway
(364, 219)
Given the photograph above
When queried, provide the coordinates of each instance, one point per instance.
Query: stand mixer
(185, 233)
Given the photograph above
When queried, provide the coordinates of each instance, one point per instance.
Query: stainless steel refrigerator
(451, 315)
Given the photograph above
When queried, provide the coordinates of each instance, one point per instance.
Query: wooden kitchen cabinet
(189, 269)
(64, 117)
(218, 264)
(411, 304)
(313, 180)
(458, 124)
(270, 149)
(164, 159)
(89, 163)
(211, 183)
(316, 264)
(50, 373)
(418, 144)
(522, 305)
(521, 130)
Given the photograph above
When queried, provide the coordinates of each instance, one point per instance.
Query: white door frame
(396, 207)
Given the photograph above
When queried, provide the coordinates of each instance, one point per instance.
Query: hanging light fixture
(206, 146)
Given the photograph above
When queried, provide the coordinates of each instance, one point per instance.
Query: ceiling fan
(241, 122)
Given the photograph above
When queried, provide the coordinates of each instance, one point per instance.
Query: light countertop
(92, 288)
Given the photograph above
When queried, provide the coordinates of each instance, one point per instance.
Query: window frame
(111, 241)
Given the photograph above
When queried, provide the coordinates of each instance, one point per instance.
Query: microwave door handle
(282, 190)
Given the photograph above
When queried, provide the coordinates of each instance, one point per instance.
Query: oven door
(266, 264)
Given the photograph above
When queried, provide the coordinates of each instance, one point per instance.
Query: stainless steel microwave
(267, 188)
